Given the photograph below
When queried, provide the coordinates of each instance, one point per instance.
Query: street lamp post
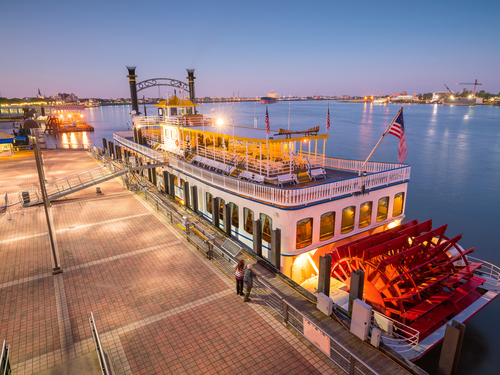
(56, 268)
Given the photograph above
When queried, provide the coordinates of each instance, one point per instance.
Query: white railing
(296, 196)
(175, 121)
(396, 335)
(487, 271)
(146, 151)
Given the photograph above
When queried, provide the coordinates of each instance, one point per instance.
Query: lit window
(221, 210)
(304, 232)
(383, 208)
(398, 204)
(248, 220)
(348, 214)
(182, 183)
(209, 203)
(267, 225)
(235, 219)
(365, 214)
(327, 226)
(176, 181)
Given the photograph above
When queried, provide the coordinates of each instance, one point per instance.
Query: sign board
(231, 247)
(316, 336)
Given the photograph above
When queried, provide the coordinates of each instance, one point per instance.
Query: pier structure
(125, 263)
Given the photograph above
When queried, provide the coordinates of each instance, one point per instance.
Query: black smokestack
(133, 88)
(190, 79)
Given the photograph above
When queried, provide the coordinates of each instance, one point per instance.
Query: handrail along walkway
(348, 362)
(98, 347)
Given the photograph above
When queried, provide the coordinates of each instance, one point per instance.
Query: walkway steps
(303, 177)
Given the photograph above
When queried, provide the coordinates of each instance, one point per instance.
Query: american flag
(328, 118)
(398, 129)
(267, 122)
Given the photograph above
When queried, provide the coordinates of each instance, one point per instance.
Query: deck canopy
(279, 153)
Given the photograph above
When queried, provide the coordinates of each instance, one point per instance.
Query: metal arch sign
(162, 82)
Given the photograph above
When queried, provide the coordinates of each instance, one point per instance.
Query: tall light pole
(56, 268)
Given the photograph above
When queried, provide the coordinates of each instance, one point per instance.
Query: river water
(454, 153)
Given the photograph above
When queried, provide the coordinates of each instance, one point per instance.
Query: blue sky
(250, 47)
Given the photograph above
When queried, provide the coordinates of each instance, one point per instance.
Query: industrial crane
(475, 84)
(448, 88)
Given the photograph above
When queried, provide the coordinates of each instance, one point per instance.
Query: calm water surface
(455, 157)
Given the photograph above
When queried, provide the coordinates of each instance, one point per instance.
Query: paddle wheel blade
(413, 273)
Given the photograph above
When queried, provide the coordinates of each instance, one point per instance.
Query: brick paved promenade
(159, 305)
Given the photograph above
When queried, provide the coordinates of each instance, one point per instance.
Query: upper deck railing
(189, 120)
(380, 174)
(296, 196)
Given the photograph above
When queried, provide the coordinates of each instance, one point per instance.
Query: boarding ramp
(82, 180)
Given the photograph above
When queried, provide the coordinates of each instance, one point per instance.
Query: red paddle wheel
(413, 273)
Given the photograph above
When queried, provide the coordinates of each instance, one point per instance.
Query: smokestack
(190, 79)
(133, 88)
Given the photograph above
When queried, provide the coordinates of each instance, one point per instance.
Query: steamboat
(280, 196)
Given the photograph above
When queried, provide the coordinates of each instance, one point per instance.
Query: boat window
(176, 181)
(221, 210)
(248, 220)
(365, 214)
(235, 219)
(398, 204)
(383, 207)
(327, 226)
(4, 110)
(304, 232)
(267, 225)
(348, 214)
(182, 183)
(173, 111)
(209, 203)
(160, 111)
(189, 110)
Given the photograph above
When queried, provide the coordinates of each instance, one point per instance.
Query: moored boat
(280, 196)
(272, 97)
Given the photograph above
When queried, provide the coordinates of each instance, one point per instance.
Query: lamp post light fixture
(56, 267)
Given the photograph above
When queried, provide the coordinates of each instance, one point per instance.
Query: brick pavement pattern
(160, 307)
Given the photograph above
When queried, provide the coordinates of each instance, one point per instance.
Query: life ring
(177, 142)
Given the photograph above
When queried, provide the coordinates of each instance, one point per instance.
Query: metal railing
(396, 335)
(103, 363)
(296, 196)
(175, 121)
(341, 356)
(146, 151)
(488, 271)
(4, 359)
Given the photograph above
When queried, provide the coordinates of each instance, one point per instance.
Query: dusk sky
(250, 47)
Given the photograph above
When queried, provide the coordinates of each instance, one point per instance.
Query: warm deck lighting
(394, 224)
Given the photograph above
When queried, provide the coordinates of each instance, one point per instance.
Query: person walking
(248, 281)
(239, 273)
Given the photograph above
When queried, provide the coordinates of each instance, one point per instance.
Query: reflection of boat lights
(85, 138)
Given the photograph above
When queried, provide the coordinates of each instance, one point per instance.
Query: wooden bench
(258, 178)
(424, 307)
(317, 172)
(246, 175)
(285, 178)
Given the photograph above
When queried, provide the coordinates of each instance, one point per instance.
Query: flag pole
(380, 140)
